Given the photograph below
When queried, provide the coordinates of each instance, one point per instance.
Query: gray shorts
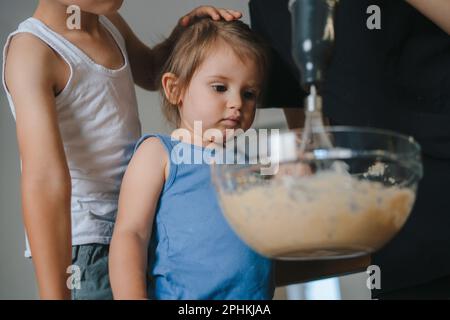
(92, 261)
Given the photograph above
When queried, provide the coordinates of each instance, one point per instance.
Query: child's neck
(54, 15)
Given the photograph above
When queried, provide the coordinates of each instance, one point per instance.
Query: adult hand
(212, 12)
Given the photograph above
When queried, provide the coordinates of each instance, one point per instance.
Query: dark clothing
(92, 261)
(435, 290)
(395, 78)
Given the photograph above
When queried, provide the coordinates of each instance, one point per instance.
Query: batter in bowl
(324, 215)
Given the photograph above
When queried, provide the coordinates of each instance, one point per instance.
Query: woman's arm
(139, 194)
(146, 63)
(437, 11)
(45, 183)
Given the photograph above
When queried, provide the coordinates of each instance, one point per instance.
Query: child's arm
(45, 181)
(139, 194)
(437, 11)
(146, 63)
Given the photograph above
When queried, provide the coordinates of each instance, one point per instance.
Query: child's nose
(235, 102)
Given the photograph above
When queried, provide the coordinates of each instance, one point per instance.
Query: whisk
(314, 134)
(312, 43)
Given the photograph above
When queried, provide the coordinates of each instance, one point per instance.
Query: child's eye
(249, 95)
(219, 87)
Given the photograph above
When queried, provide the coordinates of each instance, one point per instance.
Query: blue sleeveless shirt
(193, 252)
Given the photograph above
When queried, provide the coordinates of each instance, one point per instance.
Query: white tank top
(99, 124)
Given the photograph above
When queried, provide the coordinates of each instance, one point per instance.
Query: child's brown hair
(195, 42)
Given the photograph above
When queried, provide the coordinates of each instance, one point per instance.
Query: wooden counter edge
(292, 272)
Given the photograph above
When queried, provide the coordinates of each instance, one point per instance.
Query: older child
(72, 94)
(171, 240)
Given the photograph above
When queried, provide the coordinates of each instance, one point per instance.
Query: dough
(324, 215)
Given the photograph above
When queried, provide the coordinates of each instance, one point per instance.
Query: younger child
(171, 240)
(72, 94)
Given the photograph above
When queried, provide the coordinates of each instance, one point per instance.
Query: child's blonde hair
(196, 41)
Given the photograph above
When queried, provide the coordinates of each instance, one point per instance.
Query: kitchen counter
(291, 272)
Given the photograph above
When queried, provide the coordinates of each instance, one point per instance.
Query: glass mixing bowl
(339, 202)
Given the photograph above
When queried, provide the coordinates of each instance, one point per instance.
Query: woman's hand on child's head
(212, 12)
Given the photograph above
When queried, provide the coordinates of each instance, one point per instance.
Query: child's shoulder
(151, 146)
(24, 45)
(149, 143)
(151, 153)
(27, 57)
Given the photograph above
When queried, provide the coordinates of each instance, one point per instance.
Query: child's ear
(170, 86)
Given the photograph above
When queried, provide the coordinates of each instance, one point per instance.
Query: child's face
(95, 6)
(222, 93)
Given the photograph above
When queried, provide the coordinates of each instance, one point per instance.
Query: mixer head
(312, 38)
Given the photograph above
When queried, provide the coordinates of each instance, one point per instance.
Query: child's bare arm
(45, 183)
(437, 11)
(139, 194)
(146, 63)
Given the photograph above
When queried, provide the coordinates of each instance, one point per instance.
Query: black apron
(395, 78)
